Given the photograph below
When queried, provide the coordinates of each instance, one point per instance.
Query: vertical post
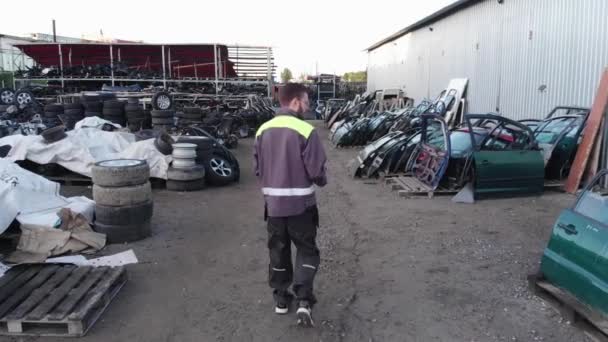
(268, 70)
(169, 64)
(195, 71)
(61, 64)
(70, 58)
(334, 95)
(163, 62)
(215, 67)
(54, 32)
(119, 58)
(112, 63)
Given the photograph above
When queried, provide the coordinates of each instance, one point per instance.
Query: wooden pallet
(56, 300)
(412, 186)
(593, 323)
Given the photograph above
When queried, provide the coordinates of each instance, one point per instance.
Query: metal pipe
(112, 63)
(54, 32)
(215, 67)
(61, 65)
(164, 63)
(169, 63)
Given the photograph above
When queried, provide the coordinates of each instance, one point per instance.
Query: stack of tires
(114, 111)
(190, 116)
(162, 119)
(135, 115)
(72, 113)
(51, 114)
(123, 199)
(184, 174)
(93, 103)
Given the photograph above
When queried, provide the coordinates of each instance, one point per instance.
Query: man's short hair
(291, 91)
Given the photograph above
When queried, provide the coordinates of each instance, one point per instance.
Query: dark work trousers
(302, 231)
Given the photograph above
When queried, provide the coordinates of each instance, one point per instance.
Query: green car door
(508, 159)
(509, 171)
(576, 257)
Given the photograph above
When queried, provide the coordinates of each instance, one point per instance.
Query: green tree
(286, 75)
(355, 76)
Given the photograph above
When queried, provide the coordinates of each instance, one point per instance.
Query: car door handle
(570, 229)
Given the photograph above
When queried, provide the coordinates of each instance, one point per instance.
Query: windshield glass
(549, 131)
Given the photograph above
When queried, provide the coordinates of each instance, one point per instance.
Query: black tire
(162, 114)
(53, 108)
(120, 172)
(124, 233)
(54, 134)
(113, 111)
(90, 114)
(162, 100)
(132, 100)
(162, 121)
(3, 108)
(193, 110)
(114, 104)
(72, 106)
(133, 107)
(73, 112)
(193, 185)
(162, 127)
(135, 116)
(7, 96)
(145, 134)
(93, 106)
(194, 173)
(24, 97)
(122, 216)
(164, 143)
(51, 115)
(189, 116)
(219, 171)
(123, 196)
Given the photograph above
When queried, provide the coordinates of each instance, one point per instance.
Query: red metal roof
(184, 57)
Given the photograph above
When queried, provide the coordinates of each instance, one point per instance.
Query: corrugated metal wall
(522, 57)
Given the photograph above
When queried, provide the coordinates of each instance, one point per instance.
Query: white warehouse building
(522, 57)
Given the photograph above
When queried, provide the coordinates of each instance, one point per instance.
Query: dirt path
(392, 269)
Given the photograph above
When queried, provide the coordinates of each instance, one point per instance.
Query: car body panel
(576, 256)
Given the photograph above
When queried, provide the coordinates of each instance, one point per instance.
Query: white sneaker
(281, 309)
(304, 315)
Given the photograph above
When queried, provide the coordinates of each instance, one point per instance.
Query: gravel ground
(393, 269)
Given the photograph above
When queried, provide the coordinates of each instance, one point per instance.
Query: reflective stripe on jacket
(289, 161)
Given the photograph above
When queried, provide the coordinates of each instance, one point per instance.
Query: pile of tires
(189, 116)
(123, 199)
(184, 174)
(114, 111)
(162, 119)
(93, 103)
(136, 118)
(221, 168)
(51, 115)
(72, 113)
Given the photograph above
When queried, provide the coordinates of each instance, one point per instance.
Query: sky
(306, 36)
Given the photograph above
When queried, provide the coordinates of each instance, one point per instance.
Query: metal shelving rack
(253, 65)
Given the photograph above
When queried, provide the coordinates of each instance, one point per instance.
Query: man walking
(289, 161)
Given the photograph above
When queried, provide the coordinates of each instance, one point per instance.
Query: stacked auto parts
(184, 174)
(51, 114)
(72, 113)
(123, 199)
(162, 119)
(136, 117)
(114, 111)
(190, 116)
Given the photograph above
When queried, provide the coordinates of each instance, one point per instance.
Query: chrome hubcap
(220, 167)
(163, 102)
(24, 98)
(7, 96)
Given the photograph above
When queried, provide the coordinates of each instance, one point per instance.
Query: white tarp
(86, 146)
(33, 199)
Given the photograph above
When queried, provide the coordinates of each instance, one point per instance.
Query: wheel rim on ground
(219, 166)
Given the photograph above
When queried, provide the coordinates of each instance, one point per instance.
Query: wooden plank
(600, 105)
(594, 162)
(59, 294)
(76, 294)
(97, 293)
(27, 289)
(38, 294)
(10, 288)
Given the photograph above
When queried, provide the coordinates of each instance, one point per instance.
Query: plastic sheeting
(84, 147)
(32, 199)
